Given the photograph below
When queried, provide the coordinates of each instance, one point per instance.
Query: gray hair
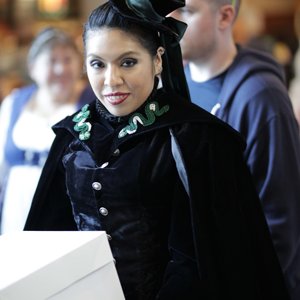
(47, 39)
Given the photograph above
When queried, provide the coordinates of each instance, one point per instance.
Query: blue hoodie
(254, 100)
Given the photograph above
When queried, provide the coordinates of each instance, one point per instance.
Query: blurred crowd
(15, 44)
(250, 29)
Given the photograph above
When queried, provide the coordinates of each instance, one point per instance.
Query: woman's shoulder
(184, 111)
(16, 93)
(191, 122)
(23, 91)
(84, 115)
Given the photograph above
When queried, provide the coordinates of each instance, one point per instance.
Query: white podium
(39, 265)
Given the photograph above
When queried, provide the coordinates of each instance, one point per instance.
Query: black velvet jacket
(212, 243)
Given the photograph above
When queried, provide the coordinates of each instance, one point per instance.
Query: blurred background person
(246, 88)
(294, 88)
(26, 117)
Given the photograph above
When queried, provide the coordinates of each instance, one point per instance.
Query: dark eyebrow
(118, 58)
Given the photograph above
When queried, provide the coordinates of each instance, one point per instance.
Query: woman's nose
(112, 77)
(59, 68)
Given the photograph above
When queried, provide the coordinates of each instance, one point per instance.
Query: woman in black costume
(165, 179)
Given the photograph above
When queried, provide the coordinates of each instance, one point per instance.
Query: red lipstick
(116, 98)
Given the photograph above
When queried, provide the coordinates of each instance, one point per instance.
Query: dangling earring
(156, 82)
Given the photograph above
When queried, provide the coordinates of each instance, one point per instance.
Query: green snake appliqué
(83, 127)
(151, 110)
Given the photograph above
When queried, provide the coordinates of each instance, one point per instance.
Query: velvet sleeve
(273, 158)
(51, 208)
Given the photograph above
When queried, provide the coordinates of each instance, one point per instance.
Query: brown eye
(129, 62)
(97, 64)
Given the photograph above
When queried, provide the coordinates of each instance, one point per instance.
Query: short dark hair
(236, 3)
(107, 16)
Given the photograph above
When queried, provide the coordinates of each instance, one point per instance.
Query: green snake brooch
(151, 110)
(82, 126)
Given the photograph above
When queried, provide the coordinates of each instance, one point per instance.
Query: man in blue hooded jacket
(246, 89)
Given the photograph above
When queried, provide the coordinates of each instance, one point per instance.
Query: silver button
(97, 186)
(104, 165)
(116, 152)
(109, 237)
(103, 211)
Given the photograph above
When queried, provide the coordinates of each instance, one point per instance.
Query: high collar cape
(234, 252)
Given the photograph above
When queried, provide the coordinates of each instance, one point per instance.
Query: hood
(247, 63)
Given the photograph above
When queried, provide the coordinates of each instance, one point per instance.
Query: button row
(103, 211)
(97, 186)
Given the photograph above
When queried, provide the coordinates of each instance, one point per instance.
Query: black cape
(232, 244)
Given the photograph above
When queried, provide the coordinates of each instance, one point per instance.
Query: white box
(56, 265)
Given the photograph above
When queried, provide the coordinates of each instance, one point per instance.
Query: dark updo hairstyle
(107, 16)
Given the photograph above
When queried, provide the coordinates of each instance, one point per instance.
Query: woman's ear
(158, 60)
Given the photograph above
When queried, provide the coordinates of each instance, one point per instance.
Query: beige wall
(87, 6)
(272, 6)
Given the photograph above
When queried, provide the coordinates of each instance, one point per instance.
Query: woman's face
(56, 70)
(121, 71)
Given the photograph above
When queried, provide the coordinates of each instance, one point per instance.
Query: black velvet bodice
(127, 198)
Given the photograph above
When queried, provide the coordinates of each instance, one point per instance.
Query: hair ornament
(153, 14)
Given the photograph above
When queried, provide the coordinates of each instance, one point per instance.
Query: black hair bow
(152, 13)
